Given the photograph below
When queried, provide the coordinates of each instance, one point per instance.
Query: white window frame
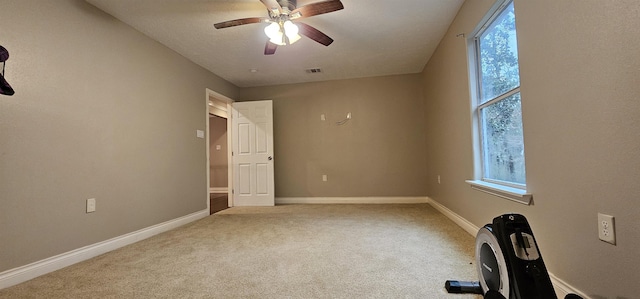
(508, 190)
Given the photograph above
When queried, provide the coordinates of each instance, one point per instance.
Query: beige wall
(379, 152)
(100, 111)
(580, 69)
(218, 164)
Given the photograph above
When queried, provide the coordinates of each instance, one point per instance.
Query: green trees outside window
(499, 104)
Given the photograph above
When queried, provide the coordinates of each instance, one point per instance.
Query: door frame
(210, 94)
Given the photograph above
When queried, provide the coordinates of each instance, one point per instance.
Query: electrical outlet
(438, 179)
(324, 177)
(91, 205)
(606, 228)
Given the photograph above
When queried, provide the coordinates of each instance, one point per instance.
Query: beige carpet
(291, 251)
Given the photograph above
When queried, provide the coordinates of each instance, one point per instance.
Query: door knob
(270, 158)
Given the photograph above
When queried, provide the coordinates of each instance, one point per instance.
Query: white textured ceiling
(372, 37)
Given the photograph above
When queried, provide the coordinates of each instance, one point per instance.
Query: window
(495, 80)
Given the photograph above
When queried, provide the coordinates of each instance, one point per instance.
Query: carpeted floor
(290, 251)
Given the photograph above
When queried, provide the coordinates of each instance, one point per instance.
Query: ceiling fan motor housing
(288, 4)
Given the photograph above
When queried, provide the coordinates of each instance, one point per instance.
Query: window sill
(514, 194)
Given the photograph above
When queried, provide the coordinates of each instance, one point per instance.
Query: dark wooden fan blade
(314, 34)
(318, 8)
(238, 22)
(270, 48)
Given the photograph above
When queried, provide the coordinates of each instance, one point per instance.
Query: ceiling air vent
(314, 71)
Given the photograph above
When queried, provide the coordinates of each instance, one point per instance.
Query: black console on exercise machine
(509, 263)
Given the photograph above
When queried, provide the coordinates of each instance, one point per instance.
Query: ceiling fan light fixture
(272, 30)
(277, 32)
(278, 40)
(274, 33)
(293, 39)
(291, 30)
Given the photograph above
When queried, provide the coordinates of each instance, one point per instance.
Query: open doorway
(219, 168)
(218, 164)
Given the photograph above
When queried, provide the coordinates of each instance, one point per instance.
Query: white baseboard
(21, 274)
(350, 200)
(561, 287)
(218, 190)
(469, 227)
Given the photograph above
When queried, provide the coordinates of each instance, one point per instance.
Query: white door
(253, 154)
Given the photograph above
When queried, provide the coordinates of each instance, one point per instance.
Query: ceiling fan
(281, 30)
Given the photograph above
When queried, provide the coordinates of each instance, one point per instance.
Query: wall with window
(579, 71)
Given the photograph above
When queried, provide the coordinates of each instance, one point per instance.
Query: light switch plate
(200, 133)
(91, 205)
